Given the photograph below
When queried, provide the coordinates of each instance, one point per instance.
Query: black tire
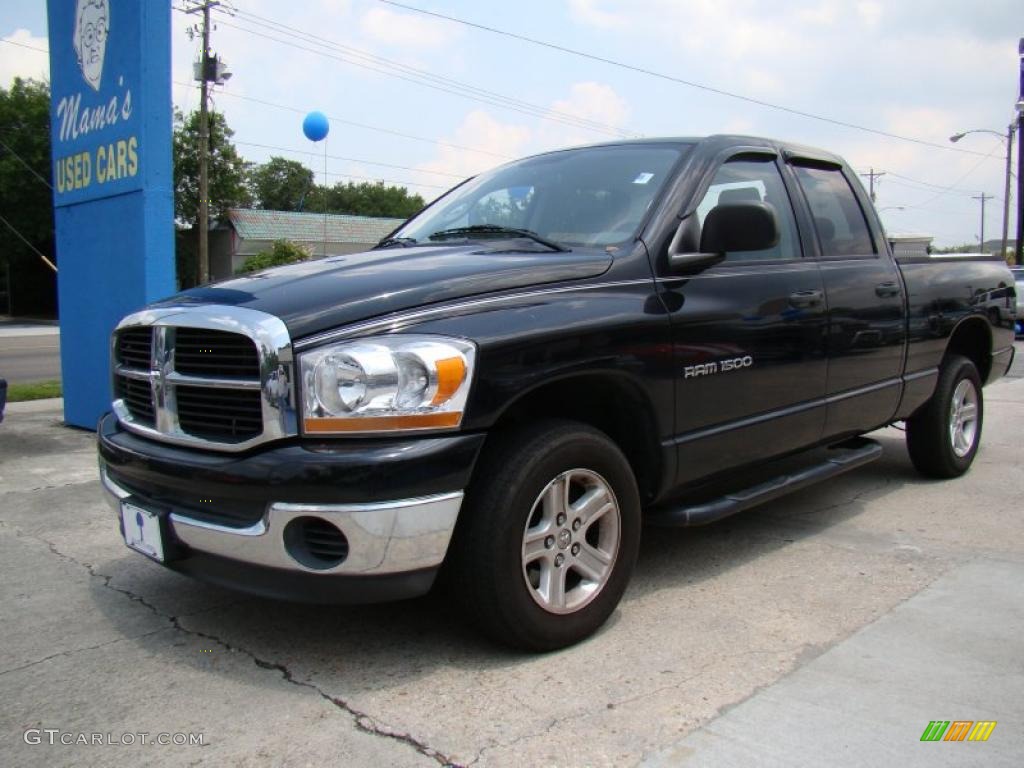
(503, 508)
(930, 440)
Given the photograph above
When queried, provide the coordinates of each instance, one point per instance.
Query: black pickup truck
(548, 356)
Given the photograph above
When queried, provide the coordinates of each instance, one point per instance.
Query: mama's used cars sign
(95, 116)
(110, 125)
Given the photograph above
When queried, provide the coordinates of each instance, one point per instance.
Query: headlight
(386, 384)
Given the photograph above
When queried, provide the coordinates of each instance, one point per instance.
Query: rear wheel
(943, 436)
(549, 535)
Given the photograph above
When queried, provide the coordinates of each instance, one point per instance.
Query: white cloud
(870, 12)
(336, 8)
(405, 30)
(19, 61)
(588, 12)
(592, 101)
(481, 130)
(821, 14)
(737, 125)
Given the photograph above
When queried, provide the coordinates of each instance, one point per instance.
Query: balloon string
(326, 188)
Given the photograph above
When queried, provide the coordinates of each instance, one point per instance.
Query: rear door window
(838, 218)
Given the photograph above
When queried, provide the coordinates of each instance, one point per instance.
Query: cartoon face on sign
(92, 22)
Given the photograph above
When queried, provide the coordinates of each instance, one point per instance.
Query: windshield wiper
(496, 229)
(405, 242)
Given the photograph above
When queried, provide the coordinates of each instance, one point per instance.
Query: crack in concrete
(48, 487)
(363, 721)
(76, 651)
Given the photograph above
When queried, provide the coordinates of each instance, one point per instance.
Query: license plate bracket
(144, 530)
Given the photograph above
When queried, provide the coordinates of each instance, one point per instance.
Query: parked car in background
(1018, 276)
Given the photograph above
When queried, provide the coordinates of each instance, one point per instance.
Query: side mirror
(740, 227)
(727, 227)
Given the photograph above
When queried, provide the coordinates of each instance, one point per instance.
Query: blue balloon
(315, 126)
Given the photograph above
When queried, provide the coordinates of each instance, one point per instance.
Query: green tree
(227, 176)
(365, 199)
(26, 200)
(227, 171)
(280, 184)
(282, 252)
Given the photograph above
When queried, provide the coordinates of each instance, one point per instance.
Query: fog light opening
(315, 543)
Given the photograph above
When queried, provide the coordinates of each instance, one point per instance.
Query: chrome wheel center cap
(564, 538)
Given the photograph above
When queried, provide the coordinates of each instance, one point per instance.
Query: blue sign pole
(110, 75)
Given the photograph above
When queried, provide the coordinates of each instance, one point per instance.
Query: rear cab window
(839, 220)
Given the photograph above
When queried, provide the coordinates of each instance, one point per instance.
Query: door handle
(887, 290)
(805, 299)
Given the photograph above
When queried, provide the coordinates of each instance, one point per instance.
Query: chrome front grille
(219, 414)
(137, 396)
(214, 377)
(203, 352)
(135, 347)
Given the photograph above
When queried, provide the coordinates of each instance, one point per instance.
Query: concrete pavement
(783, 636)
(950, 653)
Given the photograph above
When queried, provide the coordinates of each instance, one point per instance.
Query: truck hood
(319, 295)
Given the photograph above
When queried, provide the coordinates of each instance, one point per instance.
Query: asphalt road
(29, 354)
(826, 628)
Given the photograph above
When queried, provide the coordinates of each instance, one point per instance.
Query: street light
(1008, 138)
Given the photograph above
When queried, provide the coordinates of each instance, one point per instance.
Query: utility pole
(1019, 253)
(204, 154)
(1006, 192)
(872, 175)
(204, 141)
(983, 197)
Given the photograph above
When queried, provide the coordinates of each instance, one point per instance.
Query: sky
(424, 102)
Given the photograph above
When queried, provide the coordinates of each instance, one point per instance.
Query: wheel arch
(607, 401)
(972, 338)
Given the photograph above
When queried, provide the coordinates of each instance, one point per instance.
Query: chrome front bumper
(384, 537)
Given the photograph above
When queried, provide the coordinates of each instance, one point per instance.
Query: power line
(953, 186)
(925, 186)
(530, 110)
(942, 212)
(349, 159)
(458, 176)
(23, 45)
(678, 80)
(281, 28)
(22, 160)
(385, 181)
(23, 239)
(364, 126)
(914, 188)
(435, 82)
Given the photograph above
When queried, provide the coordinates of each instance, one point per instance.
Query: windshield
(584, 197)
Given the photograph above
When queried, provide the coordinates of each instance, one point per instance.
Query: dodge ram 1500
(549, 355)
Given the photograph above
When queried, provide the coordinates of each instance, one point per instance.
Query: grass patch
(33, 390)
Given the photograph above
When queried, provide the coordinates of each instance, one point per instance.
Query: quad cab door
(865, 297)
(748, 334)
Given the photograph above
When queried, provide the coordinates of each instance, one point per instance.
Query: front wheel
(548, 536)
(943, 437)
